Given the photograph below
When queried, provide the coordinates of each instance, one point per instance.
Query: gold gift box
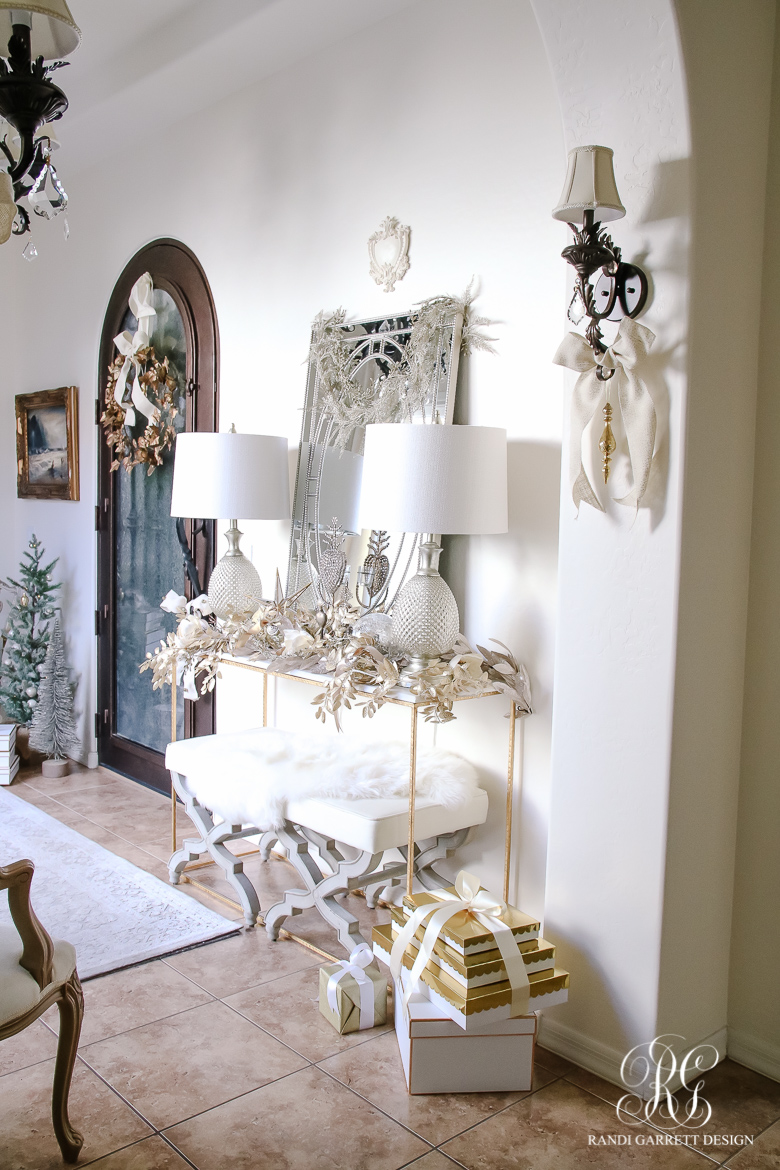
(483, 967)
(464, 933)
(472, 1000)
(346, 1018)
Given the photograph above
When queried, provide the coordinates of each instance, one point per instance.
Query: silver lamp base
(234, 587)
(425, 615)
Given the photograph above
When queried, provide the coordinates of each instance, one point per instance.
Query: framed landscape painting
(47, 444)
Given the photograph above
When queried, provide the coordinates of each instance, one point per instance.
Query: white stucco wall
(444, 115)
(754, 1005)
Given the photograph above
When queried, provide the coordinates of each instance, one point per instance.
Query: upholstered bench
(224, 782)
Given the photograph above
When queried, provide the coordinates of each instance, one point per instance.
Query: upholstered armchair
(36, 972)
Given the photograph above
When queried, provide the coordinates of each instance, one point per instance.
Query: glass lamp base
(425, 616)
(234, 588)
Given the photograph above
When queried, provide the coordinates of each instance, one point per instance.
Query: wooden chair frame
(37, 957)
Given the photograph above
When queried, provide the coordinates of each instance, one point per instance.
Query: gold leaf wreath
(158, 384)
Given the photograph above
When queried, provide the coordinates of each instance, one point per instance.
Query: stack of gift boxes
(9, 761)
(456, 1030)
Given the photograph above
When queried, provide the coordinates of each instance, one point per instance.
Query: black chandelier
(37, 37)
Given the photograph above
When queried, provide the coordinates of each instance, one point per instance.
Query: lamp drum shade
(230, 476)
(590, 186)
(54, 32)
(434, 477)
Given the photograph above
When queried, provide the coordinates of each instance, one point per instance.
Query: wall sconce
(589, 199)
(35, 35)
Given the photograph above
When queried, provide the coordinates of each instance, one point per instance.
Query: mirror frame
(373, 340)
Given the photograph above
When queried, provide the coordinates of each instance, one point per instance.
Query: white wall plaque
(388, 252)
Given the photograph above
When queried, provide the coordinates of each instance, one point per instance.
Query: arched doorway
(139, 555)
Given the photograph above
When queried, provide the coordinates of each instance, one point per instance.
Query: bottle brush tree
(53, 729)
(26, 634)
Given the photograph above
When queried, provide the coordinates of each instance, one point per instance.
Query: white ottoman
(370, 826)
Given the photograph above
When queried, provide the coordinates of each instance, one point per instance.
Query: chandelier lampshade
(53, 31)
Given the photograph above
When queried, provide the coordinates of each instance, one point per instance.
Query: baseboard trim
(605, 1061)
(754, 1053)
(583, 1050)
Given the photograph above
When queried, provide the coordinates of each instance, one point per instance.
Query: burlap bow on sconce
(627, 351)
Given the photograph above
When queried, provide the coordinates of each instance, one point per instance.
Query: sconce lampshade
(590, 186)
(229, 476)
(54, 32)
(434, 478)
(7, 206)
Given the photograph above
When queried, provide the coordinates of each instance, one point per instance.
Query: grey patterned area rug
(114, 913)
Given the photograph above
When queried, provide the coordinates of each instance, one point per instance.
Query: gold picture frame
(47, 444)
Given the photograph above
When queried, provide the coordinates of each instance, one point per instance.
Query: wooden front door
(139, 555)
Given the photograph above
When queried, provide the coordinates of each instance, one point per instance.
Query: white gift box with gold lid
(464, 932)
(472, 1008)
(478, 968)
(439, 1057)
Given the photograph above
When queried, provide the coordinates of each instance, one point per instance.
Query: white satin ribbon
(487, 909)
(355, 965)
(128, 344)
(627, 351)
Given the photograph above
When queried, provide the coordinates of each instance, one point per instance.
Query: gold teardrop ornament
(607, 442)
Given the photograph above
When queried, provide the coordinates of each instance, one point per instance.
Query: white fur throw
(248, 777)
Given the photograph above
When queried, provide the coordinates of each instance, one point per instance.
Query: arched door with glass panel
(139, 554)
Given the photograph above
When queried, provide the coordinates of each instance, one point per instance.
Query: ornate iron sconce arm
(594, 249)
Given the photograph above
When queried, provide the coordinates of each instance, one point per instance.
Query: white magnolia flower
(190, 632)
(173, 601)
(297, 641)
(471, 663)
(200, 605)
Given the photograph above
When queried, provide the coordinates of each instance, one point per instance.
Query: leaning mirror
(381, 370)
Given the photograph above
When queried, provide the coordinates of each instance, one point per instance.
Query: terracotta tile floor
(218, 1058)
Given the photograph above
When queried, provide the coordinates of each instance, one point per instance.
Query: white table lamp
(226, 475)
(432, 479)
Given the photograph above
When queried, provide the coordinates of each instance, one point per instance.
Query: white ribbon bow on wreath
(627, 351)
(360, 958)
(487, 909)
(128, 344)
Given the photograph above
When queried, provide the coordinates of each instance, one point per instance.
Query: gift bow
(487, 909)
(629, 348)
(355, 965)
(128, 344)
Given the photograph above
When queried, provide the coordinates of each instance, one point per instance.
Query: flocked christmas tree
(26, 634)
(53, 728)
